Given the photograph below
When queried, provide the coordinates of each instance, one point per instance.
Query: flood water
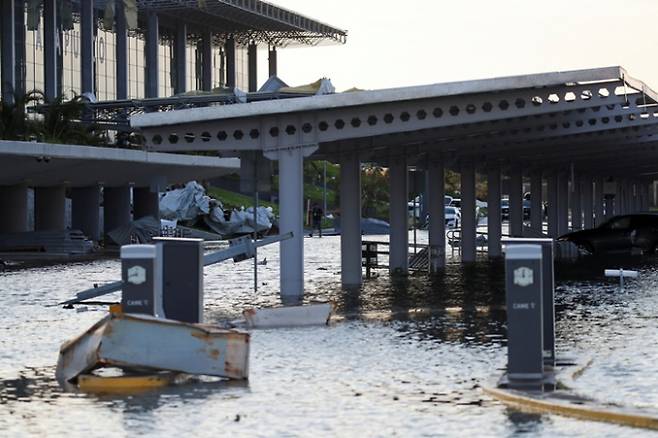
(403, 358)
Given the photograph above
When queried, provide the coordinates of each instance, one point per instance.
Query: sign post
(548, 292)
(523, 284)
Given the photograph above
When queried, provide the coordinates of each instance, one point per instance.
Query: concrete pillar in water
(435, 193)
(229, 50)
(49, 208)
(180, 58)
(151, 50)
(13, 205)
(121, 50)
(85, 211)
(516, 201)
(51, 48)
(552, 204)
(291, 191)
(399, 215)
(599, 202)
(87, 27)
(494, 214)
(576, 203)
(536, 206)
(350, 220)
(206, 56)
(8, 48)
(252, 58)
(563, 204)
(272, 61)
(469, 224)
(588, 201)
(146, 202)
(116, 207)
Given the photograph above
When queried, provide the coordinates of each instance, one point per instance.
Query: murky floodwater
(404, 358)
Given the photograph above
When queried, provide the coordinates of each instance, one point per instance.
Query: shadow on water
(38, 385)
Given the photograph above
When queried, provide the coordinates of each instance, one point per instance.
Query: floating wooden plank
(146, 342)
(567, 404)
(124, 384)
(289, 316)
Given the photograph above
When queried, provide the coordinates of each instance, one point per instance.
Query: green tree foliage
(59, 121)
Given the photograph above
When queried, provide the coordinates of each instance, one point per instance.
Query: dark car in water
(619, 234)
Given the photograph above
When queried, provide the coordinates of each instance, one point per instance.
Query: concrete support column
(536, 207)
(272, 61)
(291, 192)
(121, 35)
(87, 26)
(20, 48)
(563, 204)
(588, 201)
(51, 49)
(116, 207)
(145, 203)
(576, 204)
(435, 193)
(468, 212)
(229, 50)
(207, 67)
(85, 211)
(8, 51)
(252, 55)
(180, 58)
(152, 79)
(399, 215)
(13, 205)
(619, 198)
(494, 214)
(50, 208)
(516, 202)
(552, 204)
(599, 202)
(350, 220)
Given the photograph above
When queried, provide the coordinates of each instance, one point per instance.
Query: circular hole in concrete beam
(173, 138)
(339, 124)
(222, 135)
(157, 139)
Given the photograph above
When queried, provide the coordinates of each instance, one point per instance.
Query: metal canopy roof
(601, 120)
(246, 20)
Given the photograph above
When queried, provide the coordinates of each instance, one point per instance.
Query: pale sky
(412, 42)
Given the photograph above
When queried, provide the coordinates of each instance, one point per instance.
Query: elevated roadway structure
(586, 139)
(122, 180)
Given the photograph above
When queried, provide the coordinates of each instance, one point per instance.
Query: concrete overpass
(586, 138)
(123, 175)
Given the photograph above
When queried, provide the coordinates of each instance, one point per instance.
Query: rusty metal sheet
(141, 341)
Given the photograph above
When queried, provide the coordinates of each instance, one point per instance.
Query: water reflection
(406, 354)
